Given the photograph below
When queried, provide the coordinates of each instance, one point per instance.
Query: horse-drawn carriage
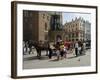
(46, 46)
(38, 45)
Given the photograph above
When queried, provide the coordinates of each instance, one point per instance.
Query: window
(69, 35)
(76, 39)
(72, 39)
(76, 24)
(77, 34)
(73, 35)
(46, 28)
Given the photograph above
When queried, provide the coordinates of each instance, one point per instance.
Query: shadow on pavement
(36, 58)
(75, 56)
(54, 60)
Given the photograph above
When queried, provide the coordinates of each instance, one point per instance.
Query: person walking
(84, 47)
(65, 52)
(58, 53)
(62, 50)
(38, 48)
(50, 51)
(76, 48)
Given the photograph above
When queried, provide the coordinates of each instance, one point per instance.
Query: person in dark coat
(76, 48)
(50, 51)
(38, 49)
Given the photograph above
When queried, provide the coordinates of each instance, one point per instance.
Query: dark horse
(39, 46)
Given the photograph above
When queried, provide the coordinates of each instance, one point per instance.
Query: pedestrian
(54, 54)
(50, 52)
(65, 52)
(79, 50)
(38, 48)
(76, 48)
(62, 49)
(58, 53)
(30, 46)
(84, 47)
(24, 48)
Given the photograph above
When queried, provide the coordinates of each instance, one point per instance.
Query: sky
(67, 16)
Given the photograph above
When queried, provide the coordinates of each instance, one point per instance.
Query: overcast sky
(67, 16)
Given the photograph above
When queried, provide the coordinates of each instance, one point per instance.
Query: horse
(39, 46)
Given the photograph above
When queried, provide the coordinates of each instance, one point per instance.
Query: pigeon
(79, 59)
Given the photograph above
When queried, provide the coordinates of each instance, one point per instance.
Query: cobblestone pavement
(30, 61)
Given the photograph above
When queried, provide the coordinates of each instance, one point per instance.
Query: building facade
(87, 31)
(36, 25)
(77, 30)
(40, 25)
(56, 32)
(47, 26)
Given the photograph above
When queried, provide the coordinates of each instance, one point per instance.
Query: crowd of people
(59, 50)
